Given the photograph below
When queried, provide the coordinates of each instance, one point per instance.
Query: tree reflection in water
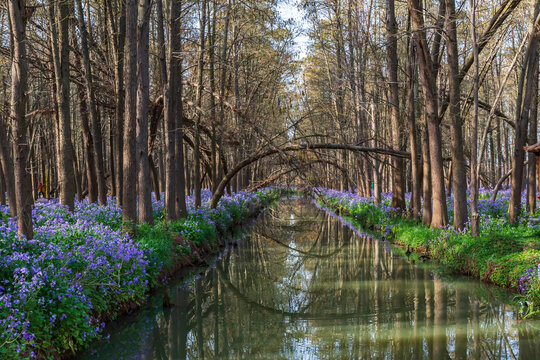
(303, 286)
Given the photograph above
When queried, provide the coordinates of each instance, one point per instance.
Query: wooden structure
(535, 149)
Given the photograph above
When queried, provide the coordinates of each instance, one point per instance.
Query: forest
(135, 135)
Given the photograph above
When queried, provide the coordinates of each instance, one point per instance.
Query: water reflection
(302, 286)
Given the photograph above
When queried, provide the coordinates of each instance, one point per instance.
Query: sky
(289, 10)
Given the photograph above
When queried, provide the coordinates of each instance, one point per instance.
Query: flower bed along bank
(503, 254)
(81, 268)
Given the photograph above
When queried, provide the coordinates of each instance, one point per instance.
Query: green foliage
(157, 243)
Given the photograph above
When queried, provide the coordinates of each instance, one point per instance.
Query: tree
(440, 215)
(129, 185)
(94, 116)
(527, 84)
(143, 98)
(23, 193)
(475, 231)
(59, 23)
(398, 178)
(459, 182)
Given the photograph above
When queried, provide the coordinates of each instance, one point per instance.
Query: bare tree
(129, 184)
(527, 84)
(18, 18)
(459, 182)
(59, 22)
(440, 215)
(143, 98)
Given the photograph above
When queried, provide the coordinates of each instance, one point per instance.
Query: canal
(301, 285)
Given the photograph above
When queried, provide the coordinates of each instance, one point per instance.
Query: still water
(300, 285)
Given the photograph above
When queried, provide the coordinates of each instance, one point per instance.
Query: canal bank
(58, 290)
(504, 255)
(301, 285)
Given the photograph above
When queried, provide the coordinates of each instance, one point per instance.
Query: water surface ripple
(300, 285)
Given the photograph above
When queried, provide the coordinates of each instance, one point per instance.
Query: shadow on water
(301, 285)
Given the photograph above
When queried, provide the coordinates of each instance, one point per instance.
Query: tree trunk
(197, 149)
(439, 217)
(88, 146)
(120, 40)
(180, 193)
(533, 163)
(527, 83)
(375, 163)
(129, 183)
(170, 99)
(426, 182)
(211, 56)
(475, 231)
(144, 188)
(459, 181)
(398, 176)
(95, 120)
(23, 192)
(6, 163)
(415, 203)
(59, 12)
(2, 188)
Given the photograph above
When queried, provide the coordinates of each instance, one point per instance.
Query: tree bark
(427, 209)
(120, 30)
(197, 135)
(95, 120)
(459, 181)
(144, 188)
(440, 215)
(533, 163)
(527, 83)
(6, 163)
(475, 231)
(129, 182)
(60, 42)
(88, 145)
(415, 203)
(398, 176)
(23, 192)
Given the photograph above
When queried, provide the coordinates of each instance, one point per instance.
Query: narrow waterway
(300, 285)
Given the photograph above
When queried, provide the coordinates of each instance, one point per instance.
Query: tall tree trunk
(170, 110)
(197, 147)
(398, 176)
(459, 181)
(60, 41)
(2, 188)
(120, 30)
(427, 209)
(527, 83)
(88, 145)
(211, 55)
(533, 161)
(180, 193)
(440, 216)
(23, 192)
(95, 120)
(6, 164)
(223, 76)
(375, 163)
(475, 231)
(129, 183)
(144, 188)
(415, 203)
